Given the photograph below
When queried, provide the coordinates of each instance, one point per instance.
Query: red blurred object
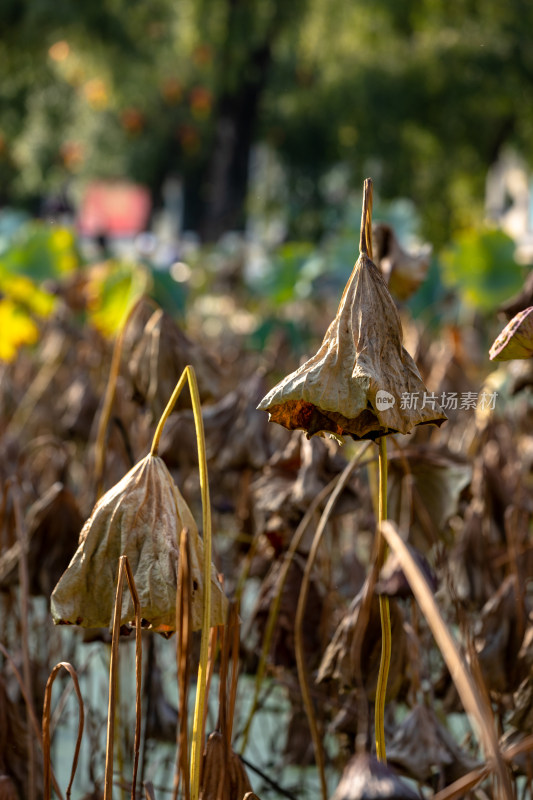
(116, 208)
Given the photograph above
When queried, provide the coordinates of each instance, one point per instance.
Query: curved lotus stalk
(516, 339)
(141, 517)
(358, 381)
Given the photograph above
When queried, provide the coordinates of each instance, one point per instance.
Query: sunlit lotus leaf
(355, 383)
(141, 517)
(516, 339)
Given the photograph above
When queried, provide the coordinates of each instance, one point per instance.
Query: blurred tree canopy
(422, 94)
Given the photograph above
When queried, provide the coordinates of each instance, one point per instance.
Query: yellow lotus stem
(197, 731)
(386, 637)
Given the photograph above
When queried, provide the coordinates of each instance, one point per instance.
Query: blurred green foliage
(480, 267)
(422, 94)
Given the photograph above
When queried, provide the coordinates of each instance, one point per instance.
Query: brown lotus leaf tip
(141, 517)
(357, 383)
(516, 339)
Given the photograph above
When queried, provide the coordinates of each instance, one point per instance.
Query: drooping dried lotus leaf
(236, 436)
(157, 359)
(516, 339)
(392, 581)
(141, 517)
(8, 790)
(498, 638)
(282, 648)
(296, 475)
(522, 716)
(439, 750)
(403, 272)
(13, 747)
(224, 776)
(365, 778)
(340, 661)
(79, 406)
(519, 301)
(427, 486)
(521, 759)
(354, 384)
(53, 524)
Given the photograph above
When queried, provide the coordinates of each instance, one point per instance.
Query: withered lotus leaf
(141, 517)
(224, 774)
(358, 381)
(365, 778)
(516, 339)
(403, 272)
(157, 359)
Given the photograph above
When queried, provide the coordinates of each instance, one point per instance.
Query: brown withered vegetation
(460, 496)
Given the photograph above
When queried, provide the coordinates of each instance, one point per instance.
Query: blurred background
(263, 117)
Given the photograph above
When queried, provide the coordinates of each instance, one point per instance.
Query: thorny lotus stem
(197, 733)
(384, 612)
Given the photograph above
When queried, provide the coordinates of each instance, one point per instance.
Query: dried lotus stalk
(141, 517)
(355, 384)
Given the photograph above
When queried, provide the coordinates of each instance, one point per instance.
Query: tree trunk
(243, 77)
